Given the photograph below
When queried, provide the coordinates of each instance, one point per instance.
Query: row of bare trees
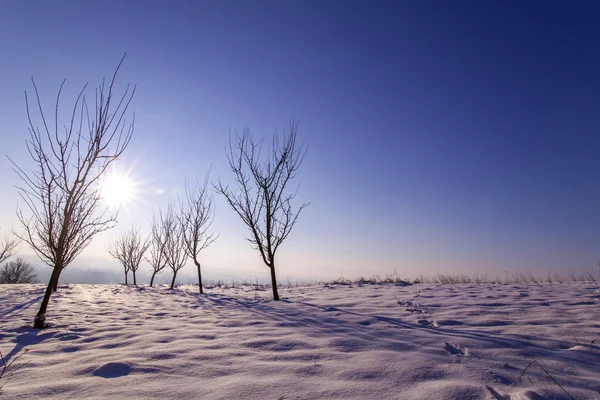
(176, 235)
(63, 193)
(129, 249)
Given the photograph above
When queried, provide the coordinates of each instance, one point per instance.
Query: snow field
(382, 341)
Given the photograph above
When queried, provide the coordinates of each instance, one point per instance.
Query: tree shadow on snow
(28, 337)
(21, 306)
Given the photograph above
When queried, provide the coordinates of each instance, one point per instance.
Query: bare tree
(118, 250)
(18, 271)
(63, 194)
(261, 199)
(156, 257)
(173, 241)
(197, 216)
(129, 249)
(8, 248)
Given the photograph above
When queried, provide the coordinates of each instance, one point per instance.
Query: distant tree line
(259, 198)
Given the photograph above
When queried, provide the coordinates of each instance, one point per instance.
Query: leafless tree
(197, 215)
(261, 199)
(18, 271)
(8, 248)
(118, 250)
(156, 252)
(129, 249)
(63, 194)
(173, 241)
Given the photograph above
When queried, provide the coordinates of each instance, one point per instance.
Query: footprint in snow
(498, 378)
(456, 350)
(413, 307)
(113, 370)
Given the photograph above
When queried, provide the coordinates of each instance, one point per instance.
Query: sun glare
(118, 189)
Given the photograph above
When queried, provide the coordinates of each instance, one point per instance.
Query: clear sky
(452, 137)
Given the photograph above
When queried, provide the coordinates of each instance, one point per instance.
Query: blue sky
(452, 137)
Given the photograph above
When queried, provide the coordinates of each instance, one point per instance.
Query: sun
(118, 189)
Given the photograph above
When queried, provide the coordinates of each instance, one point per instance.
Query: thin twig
(547, 374)
(7, 366)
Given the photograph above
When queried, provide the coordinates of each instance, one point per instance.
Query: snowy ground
(321, 342)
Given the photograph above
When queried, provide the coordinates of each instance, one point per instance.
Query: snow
(320, 342)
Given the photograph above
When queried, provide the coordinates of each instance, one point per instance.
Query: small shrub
(18, 271)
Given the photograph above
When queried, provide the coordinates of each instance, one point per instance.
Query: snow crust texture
(320, 342)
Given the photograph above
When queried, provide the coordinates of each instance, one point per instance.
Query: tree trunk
(126, 277)
(152, 279)
(55, 287)
(134, 280)
(173, 281)
(199, 275)
(40, 320)
(274, 282)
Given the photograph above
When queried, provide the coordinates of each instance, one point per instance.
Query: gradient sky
(451, 137)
